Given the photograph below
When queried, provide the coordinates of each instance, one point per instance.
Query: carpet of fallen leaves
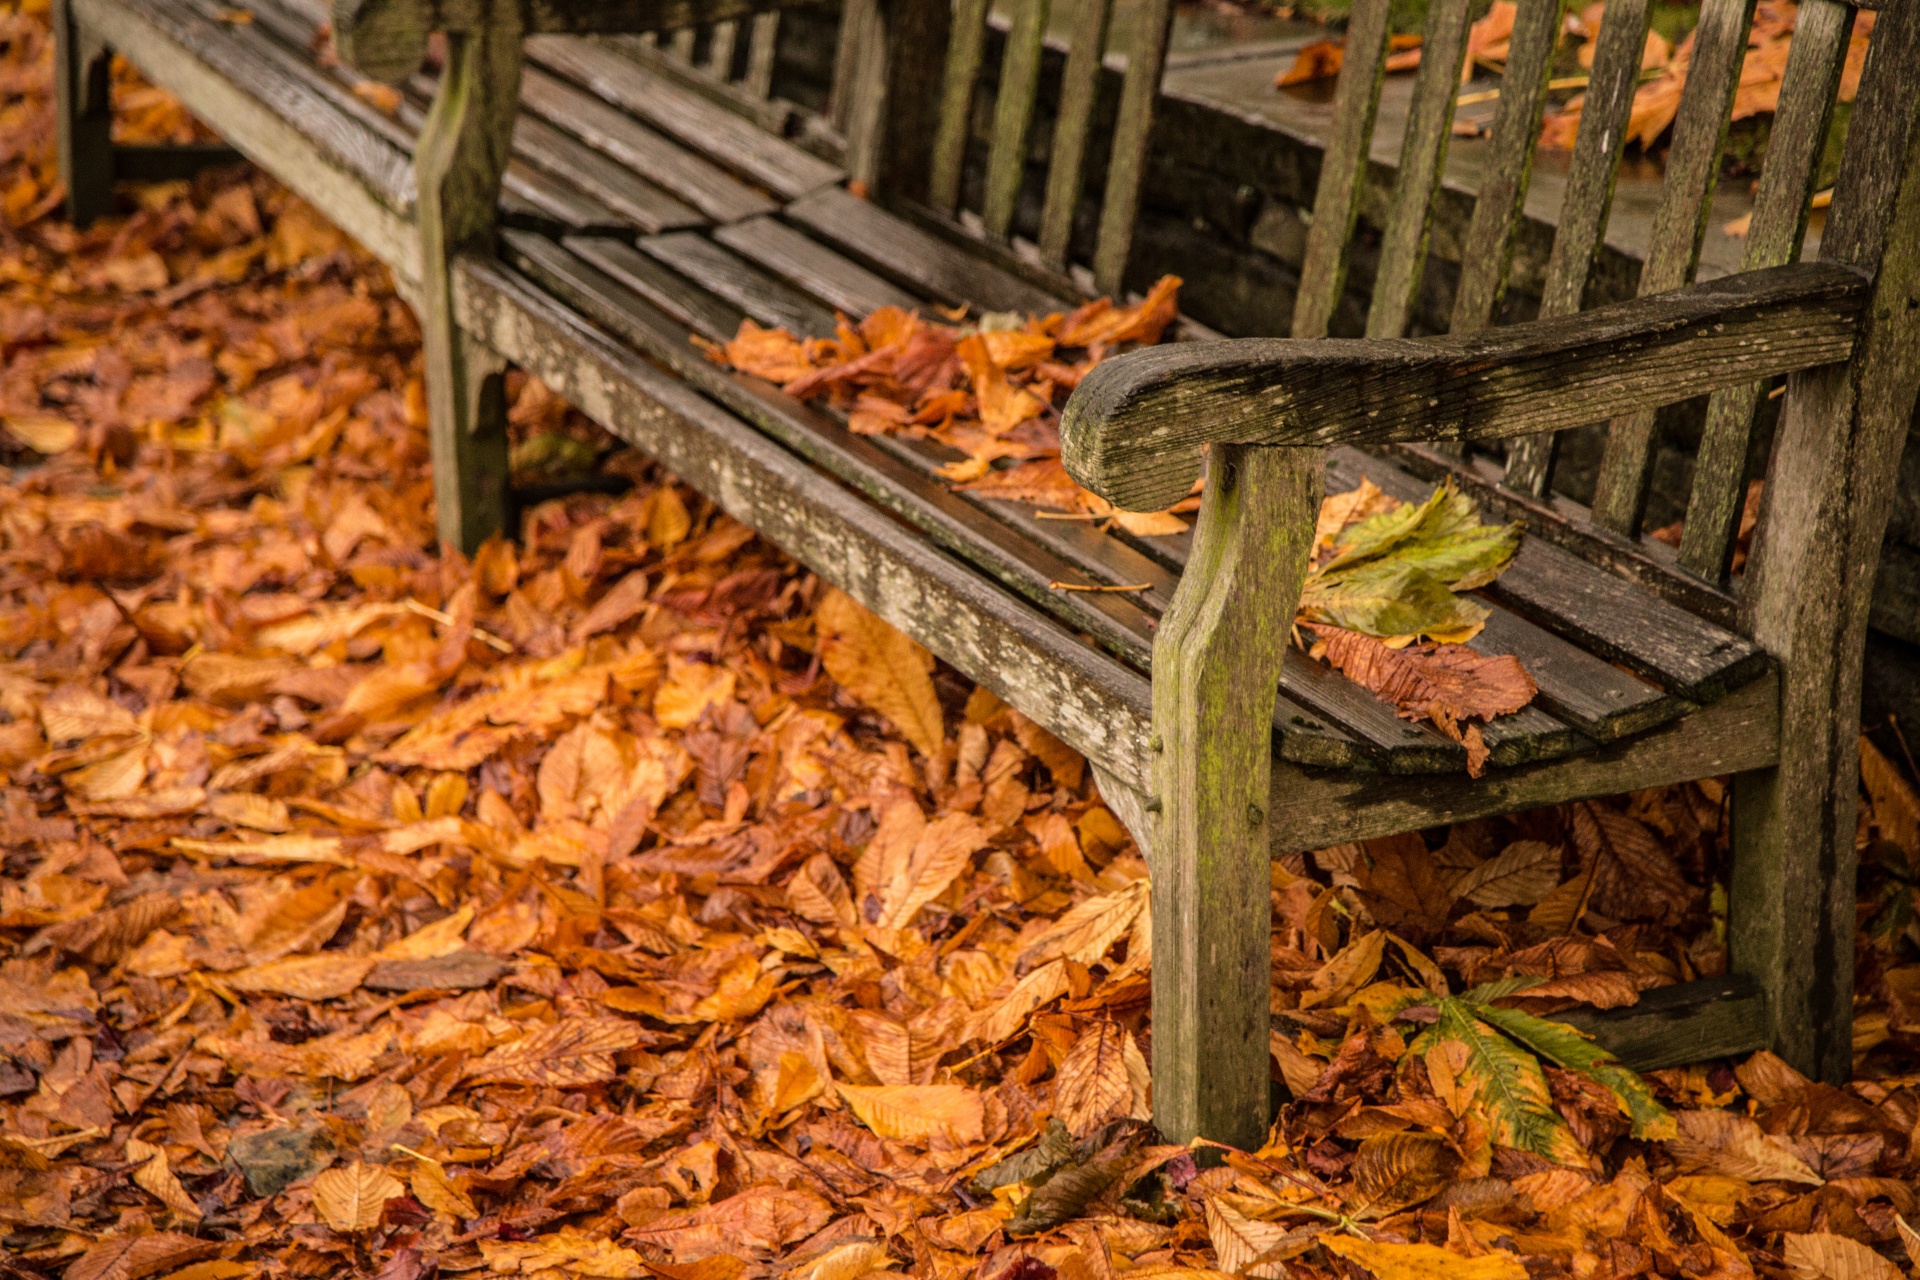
(625, 903)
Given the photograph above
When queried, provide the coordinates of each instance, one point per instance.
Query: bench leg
(458, 161)
(1216, 670)
(84, 116)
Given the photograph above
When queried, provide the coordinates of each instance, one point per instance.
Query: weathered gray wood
(721, 43)
(1689, 657)
(697, 123)
(1588, 199)
(1013, 115)
(1091, 701)
(727, 275)
(1343, 169)
(83, 118)
(462, 153)
(327, 159)
(538, 145)
(914, 258)
(964, 53)
(841, 284)
(1681, 1024)
(1679, 224)
(1591, 694)
(1423, 159)
(1134, 429)
(689, 310)
(773, 115)
(1487, 251)
(680, 45)
(1794, 144)
(692, 178)
(386, 39)
(1313, 808)
(1152, 23)
(1066, 159)
(762, 45)
(1216, 663)
(1809, 587)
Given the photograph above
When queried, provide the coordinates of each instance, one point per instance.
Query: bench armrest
(1135, 430)
(386, 39)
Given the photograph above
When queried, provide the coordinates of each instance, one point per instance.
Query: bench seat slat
(725, 274)
(646, 207)
(706, 127)
(914, 258)
(812, 266)
(607, 129)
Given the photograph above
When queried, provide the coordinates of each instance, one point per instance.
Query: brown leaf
(561, 1055)
(156, 1177)
(1402, 887)
(918, 1113)
(1520, 875)
(1825, 1256)
(1447, 684)
(1092, 1086)
(134, 1257)
(351, 1198)
(1396, 1171)
(883, 668)
(1725, 1143)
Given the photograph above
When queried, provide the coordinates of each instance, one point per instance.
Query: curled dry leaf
(1449, 685)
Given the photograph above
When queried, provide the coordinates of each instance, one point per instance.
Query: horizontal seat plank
(914, 258)
(725, 274)
(704, 126)
(328, 158)
(1135, 428)
(644, 206)
(1685, 1023)
(1091, 701)
(659, 159)
(829, 276)
(694, 310)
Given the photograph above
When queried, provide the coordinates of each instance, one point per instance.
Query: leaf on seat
(1396, 572)
(1445, 684)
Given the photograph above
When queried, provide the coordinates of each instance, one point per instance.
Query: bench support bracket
(1216, 673)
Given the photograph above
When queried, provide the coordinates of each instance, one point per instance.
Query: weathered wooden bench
(640, 199)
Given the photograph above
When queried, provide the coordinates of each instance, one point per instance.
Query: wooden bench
(641, 199)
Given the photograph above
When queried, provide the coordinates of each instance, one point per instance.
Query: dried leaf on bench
(1449, 685)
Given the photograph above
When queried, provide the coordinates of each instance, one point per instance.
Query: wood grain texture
(365, 185)
(386, 39)
(658, 159)
(1066, 159)
(814, 268)
(1091, 701)
(1423, 160)
(1487, 251)
(1152, 23)
(1343, 169)
(727, 275)
(699, 124)
(1587, 692)
(1313, 808)
(1780, 210)
(1685, 1023)
(459, 160)
(1216, 663)
(1013, 103)
(1589, 198)
(1810, 583)
(83, 117)
(762, 47)
(914, 258)
(1134, 429)
(648, 209)
(774, 115)
(964, 53)
(1679, 224)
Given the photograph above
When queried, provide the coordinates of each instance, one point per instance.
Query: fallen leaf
(351, 1198)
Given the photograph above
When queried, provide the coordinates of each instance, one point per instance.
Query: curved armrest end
(384, 40)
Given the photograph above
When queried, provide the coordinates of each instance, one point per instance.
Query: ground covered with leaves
(624, 902)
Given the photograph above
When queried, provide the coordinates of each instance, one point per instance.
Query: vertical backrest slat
(680, 47)
(1336, 200)
(855, 26)
(1821, 33)
(1589, 197)
(1423, 160)
(1679, 223)
(1066, 160)
(762, 44)
(1132, 131)
(1488, 249)
(1013, 114)
(864, 92)
(726, 36)
(964, 51)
